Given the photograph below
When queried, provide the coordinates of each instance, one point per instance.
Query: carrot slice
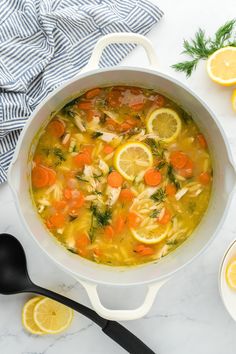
(57, 220)
(119, 224)
(124, 127)
(59, 204)
(56, 128)
(144, 250)
(170, 189)
(68, 193)
(114, 179)
(132, 121)
(137, 106)
(178, 159)
(187, 171)
(82, 240)
(202, 141)
(165, 218)
(37, 159)
(40, 177)
(152, 177)
(85, 105)
(204, 178)
(108, 149)
(133, 219)
(126, 195)
(90, 115)
(82, 159)
(109, 231)
(92, 93)
(113, 98)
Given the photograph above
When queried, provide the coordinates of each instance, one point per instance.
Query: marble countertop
(188, 315)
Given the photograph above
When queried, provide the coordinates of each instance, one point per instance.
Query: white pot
(151, 275)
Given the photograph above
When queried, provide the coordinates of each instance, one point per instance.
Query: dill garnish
(201, 47)
(159, 196)
(171, 176)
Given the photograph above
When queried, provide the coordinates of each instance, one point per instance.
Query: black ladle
(14, 279)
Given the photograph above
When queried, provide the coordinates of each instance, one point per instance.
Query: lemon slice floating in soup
(165, 123)
(231, 274)
(132, 158)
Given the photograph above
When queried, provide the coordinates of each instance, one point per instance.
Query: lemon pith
(132, 158)
(165, 123)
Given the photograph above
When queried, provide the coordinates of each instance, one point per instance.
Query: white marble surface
(188, 316)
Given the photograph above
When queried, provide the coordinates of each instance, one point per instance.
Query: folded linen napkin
(43, 43)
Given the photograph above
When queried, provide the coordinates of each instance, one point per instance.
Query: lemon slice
(233, 100)
(231, 274)
(28, 316)
(221, 66)
(132, 158)
(151, 233)
(165, 123)
(51, 316)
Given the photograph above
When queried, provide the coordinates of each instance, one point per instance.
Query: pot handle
(123, 37)
(122, 315)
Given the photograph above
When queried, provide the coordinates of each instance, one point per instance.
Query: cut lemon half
(165, 123)
(51, 316)
(28, 316)
(233, 100)
(221, 66)
(132, 158)
(231, 274)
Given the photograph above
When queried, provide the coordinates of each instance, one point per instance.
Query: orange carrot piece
(133, 219)
(108, 149)
(83, 158)
(152, 177)
(126, 195)
(68, 193)
(132, 121)
(204, 178)
(92, 93)
(109, 231)
(90, 115)
(85, 105)
(159, 101)
(137, 106)
(119, 224)
(144, 250)
(123, 127)
(57, 220)
(170, 189)
(56, 128)
(113, 98)
(97, 251)
(178, 159)
(165, 218)
(40, 177)
(114, 179)
(59, 204)
(187, 171)
(202, 141)
(82, 240)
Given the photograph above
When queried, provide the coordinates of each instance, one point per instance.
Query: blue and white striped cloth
(43, 43)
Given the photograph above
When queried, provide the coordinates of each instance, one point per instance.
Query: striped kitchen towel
(43, 43)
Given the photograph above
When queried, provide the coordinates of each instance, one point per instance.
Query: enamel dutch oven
(151, 275)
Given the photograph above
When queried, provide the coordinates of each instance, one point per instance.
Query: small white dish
(228, 295)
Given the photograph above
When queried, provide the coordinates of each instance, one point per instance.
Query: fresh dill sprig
(59, 154)
(201, 46)
(102, 218)
(171, 176)
(159, 196)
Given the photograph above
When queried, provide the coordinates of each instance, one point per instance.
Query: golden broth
(94, 210)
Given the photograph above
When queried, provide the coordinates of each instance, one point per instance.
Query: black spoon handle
(113, 329)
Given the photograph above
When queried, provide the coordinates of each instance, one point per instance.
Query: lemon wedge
(132, 158)
(231, 274)
(221, 66)
(28, 316)
(165, 123)
(233, 100)
(51, 316)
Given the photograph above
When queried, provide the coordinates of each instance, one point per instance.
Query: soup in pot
(121, 175)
